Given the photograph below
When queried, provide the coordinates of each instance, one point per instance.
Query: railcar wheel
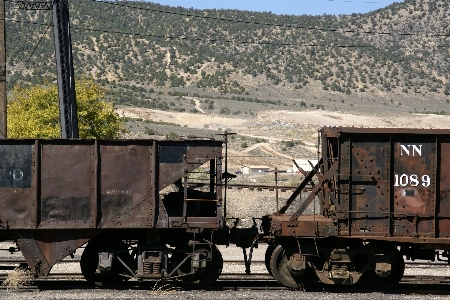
(280, 269)
(90, 259)
(205, 275)
(372, 281)
(268, 255)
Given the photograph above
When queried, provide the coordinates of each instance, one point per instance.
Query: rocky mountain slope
(138, 49)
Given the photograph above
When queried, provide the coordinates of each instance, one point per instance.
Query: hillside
(135, 48)
(272, 78)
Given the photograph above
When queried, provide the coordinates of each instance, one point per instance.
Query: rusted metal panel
(43, 248)
(125, 179)
(443, 208)
(389, 182)
(87, 183)
(335, 132)
(108, 184)
(200, 222)
(304, 229)
(414, 181)
(153, 186)
(308, 226)
(16, 170)
(343, 184)
(15, 208)
(17, 201)
(66, 185)
(368, 188)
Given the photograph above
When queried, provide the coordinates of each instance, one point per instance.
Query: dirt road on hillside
(267, 122)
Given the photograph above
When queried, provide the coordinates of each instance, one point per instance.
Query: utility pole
(64, 66)
(2, 71)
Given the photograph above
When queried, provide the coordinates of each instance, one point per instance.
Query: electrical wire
(27, 22)
(343, 31)
(211, 40)
(19, 44)
(205, 40)
(39, 5)
(35, 47)
(290, 26)
(294, 26)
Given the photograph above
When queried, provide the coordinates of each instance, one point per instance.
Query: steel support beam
(2, 71)
(64, 66)
(36, 5)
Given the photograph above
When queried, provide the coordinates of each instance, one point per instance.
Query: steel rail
(418, 284)
(234, 277)
(252, 277)
(419, 263)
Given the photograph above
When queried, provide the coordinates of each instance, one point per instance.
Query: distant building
(255, 170)
(304, 164)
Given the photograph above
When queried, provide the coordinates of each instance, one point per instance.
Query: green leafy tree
(33, 112)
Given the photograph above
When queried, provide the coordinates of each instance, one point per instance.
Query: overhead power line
(206, 40)
(27, 22)
(213, 40)
(290, 26)
(35, 47)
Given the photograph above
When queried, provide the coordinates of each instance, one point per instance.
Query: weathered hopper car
(126, 199)
(384, 194)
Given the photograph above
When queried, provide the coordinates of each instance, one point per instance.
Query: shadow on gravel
(406, 289)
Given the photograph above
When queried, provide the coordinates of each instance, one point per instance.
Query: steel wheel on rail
(205, 275)
(114, 275)
(281, 272)
(371, 280)
(268, 256)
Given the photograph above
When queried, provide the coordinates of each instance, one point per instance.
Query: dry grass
(18, 277)
(162, 289)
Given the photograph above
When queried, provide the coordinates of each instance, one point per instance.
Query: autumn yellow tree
(33, 112)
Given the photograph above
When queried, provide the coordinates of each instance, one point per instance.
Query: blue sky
(289, 7)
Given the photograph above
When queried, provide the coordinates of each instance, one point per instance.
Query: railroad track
(233, 282)
(10, 264)
(411, 263)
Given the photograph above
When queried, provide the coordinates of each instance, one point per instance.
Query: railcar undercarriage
(298, 262)
(108, 262)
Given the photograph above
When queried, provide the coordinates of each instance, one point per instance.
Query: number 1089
(412, 180)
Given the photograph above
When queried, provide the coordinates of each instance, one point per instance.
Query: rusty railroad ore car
(384, 195)
(127, 199)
